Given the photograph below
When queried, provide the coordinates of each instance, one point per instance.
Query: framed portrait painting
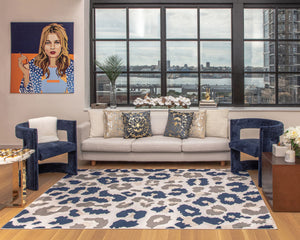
(42, 57)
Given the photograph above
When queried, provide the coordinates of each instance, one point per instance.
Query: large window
(272, 56)
(188, 49)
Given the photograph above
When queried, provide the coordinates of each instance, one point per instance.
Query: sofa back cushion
(159, 121)
(217, 123)
(97, 122)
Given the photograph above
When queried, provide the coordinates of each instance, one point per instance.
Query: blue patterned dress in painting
(53, 84)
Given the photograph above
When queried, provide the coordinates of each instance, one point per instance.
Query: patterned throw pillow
(137, 124)
(178, 124)
(113, 124)
(197, 129)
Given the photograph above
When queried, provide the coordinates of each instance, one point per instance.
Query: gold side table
(19, 156)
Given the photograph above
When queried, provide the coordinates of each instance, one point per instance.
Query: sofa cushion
(97, 121)
(217, 123)
(208, 144)
(101, 144)
(178, 124)
(157, 143)
(197, 129)
(137, 124)
(113, 124)
(159, 121)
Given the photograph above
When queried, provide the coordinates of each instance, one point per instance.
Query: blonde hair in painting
(63, 60)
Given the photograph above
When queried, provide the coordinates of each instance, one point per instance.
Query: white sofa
(157, 148)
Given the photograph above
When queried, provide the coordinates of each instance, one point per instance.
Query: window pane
(288, 89)
(215, 23)
(144, 23)
(215, 56)
(141, 84)
(259, 23)
(259, 56)
(103, 89)
(219, 86)
(289, 23)
(259, 88)
(182, 56)
(106, 49)
(110, 23)
(289, 56)
(181, 23)
(144, 56)
(183, 84)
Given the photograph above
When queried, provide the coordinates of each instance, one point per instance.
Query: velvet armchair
(269, 133)
(47, 150)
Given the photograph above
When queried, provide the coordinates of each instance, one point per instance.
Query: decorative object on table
(162, 102)
(290, 156)
(279, 150)
(149, 199)
(47, 149)
(207, 102)
(98, 105)
(292, 136)
(269, 133)
(112, 67)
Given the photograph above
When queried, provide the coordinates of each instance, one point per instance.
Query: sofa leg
(93, 163)
(223, 163)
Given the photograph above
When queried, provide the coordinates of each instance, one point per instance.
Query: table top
(278, 160)
(11, 155)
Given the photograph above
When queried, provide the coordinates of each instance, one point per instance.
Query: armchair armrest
(29, 135)
(270, 135)
(70, 127)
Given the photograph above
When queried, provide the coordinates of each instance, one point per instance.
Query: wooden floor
(288, 223)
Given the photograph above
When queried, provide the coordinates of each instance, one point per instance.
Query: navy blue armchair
(47, 150)
(270, 131)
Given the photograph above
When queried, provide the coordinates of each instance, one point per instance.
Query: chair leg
(235, 161)
(32, 173)
(72, 163)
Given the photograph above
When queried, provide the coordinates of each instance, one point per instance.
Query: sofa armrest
(83, 132)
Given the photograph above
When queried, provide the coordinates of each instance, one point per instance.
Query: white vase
(290, 156)
(113, 96)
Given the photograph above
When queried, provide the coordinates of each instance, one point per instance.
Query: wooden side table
(280, 183)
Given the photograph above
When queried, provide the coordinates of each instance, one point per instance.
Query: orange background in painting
(16, 73)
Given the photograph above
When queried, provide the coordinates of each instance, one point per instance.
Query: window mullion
(163, 52)
(237, 54)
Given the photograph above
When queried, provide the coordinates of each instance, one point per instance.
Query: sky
(180, 23)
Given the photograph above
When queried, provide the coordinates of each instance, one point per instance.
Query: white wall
(16, 108)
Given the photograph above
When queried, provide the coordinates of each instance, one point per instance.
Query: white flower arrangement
(292, 136)
(168, 101)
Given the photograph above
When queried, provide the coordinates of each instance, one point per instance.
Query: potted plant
(112, 67)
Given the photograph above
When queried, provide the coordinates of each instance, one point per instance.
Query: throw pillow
(178, 124)
(197, 129)
(137, 124)
(46, 128)
(113, 124)
(217, 123)
(97, 122)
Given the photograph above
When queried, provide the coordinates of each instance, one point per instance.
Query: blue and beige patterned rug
(149, 199)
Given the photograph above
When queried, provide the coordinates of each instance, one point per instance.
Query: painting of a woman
(52, 70)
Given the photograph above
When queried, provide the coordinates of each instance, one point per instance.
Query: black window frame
(237, 40)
